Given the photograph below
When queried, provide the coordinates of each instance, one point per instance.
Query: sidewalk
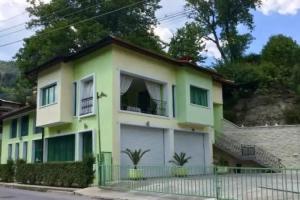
(39, 188)
(106, 194)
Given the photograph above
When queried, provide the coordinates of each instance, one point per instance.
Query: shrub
(75, 174)
(7, 171)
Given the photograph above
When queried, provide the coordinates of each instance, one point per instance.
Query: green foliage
(134, 24)
(71, 174)
(187, 41)
(135, 155)
(281, 51)
(7, 171)
(220, 20)
(180, 159)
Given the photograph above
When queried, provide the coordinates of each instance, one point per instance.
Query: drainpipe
(99, 96)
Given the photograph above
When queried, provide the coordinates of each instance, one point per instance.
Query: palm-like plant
(135, 156)
(180, 159)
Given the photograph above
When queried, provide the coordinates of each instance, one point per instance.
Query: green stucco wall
(6, 140)
(218, 118)
(187, 112)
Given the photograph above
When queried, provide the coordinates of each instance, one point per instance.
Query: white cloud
(283, 7)
(211, 50)
(164, 33)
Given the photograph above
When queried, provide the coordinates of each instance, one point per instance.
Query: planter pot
(135, 174)
(179, 171)
(222, 170)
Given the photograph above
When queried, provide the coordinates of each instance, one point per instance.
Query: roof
(18, 111)
(114, 40)
(11, 102)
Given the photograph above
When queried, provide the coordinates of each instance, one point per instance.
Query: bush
(75, 174)
(7, 171)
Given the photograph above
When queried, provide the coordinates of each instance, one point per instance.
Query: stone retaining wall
(283, 141)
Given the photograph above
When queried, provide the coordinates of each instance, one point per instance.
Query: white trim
(144, 114)
(209, 103)
(80, 143)
(87, 77)
(40, 95)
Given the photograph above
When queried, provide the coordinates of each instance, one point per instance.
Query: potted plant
(222, 166)
(135, 156)
(180, 160)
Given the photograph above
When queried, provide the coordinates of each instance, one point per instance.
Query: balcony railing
(156, 107)
(86, 106)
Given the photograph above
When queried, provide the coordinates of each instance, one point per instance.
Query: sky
(274, 17)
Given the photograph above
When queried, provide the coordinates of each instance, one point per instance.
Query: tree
(188, 41)
(135, 24)
(281, 51)
(284, 53)
(220, 20)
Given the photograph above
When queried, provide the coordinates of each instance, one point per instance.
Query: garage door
(192, 144)
(134, 137)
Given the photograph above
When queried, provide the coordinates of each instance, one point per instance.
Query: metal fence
(230, 183)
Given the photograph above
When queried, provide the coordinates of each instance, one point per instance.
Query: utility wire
(165, 18)
(50, 15)
(7, 19)
(85, 20)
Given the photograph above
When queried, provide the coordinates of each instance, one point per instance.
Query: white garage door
(134, 137)
(192, 144)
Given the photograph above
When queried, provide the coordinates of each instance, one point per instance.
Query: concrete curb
(39, 188)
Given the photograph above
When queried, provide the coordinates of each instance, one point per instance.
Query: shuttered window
(87, 144)
(13, 128)
(24, 125)
(199, 96)
(61, 148)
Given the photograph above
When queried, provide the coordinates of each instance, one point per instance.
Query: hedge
(7, 171)
(70, 174)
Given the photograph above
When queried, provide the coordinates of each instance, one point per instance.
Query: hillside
(259, 109)
(8, 76)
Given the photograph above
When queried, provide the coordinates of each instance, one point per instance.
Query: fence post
(217, 185)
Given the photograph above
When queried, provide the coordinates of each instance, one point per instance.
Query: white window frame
(208, 96)
(80, 84)
(41, 95)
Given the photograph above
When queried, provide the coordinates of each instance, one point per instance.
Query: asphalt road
(17, 194)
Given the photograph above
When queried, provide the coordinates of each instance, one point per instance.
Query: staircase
(247, 152)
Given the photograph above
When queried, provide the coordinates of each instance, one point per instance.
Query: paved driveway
(264, 186)
(17, 194)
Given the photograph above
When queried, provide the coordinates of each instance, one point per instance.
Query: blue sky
(274, 17)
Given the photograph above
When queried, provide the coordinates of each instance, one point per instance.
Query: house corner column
(208, 146)
(169, 145)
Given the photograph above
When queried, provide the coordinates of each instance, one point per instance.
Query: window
(174, 100)
(75, 99)
(13, 128)
(25, 146)
(17, 151)
(87, 144)
(38, 151)
(199, 96)
(9, 152)
(87, 96)
(61, 148)
(48, 95)
(24, 125)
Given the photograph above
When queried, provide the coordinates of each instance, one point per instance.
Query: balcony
(142, 96)
(86, 106)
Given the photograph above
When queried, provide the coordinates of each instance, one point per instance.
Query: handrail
(234, 147)
(155, 107)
